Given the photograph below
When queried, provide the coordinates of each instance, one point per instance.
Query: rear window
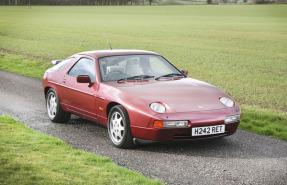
(62, 64)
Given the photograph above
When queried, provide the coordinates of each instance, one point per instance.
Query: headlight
(227, 102)
(157, 107)
(170, 124)
(232, 119)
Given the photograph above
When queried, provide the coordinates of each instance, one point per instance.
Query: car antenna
(108, 41)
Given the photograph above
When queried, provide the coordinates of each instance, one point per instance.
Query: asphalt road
(243, 158)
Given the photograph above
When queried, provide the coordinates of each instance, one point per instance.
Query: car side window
(84, 66)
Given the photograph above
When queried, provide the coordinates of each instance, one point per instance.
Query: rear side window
(84, 66)
(62, 64)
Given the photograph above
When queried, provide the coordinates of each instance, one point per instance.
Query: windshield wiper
(170, 75)
(138, 77)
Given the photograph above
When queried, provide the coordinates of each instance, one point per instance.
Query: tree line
(120, 2)
(73, 2)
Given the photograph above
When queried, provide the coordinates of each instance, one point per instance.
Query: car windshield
(136, 67)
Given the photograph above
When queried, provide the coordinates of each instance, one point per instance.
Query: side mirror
(185, 72)
(84, 79)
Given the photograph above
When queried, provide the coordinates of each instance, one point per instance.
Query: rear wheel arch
(46, 90)
(55, 88)
(54, 110)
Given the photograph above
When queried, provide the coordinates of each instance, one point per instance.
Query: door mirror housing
(84, 79)
(185, 72)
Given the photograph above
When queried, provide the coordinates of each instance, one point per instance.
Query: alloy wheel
(117, 127)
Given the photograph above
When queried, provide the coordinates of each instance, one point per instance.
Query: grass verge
(29, 157)
(272, 123)
(23, 65)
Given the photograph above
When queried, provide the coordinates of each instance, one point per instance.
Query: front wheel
(119, 127)
(54, 109)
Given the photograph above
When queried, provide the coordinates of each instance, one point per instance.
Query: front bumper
(196, 119)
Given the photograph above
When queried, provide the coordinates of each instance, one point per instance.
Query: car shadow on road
(225, 147)
(240, 145)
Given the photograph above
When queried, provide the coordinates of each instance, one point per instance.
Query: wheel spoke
(121, 128)
(119, 120)
(116, 127)
(113, 133)
(118, 136)
(54, 110)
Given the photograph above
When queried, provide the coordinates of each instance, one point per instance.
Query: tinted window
(84, 66)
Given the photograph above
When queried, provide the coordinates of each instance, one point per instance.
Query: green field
(238, 48)
(29, 157)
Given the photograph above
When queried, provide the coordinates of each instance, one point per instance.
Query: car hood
(181, 95)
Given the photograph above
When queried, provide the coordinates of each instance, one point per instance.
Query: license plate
(203, 131)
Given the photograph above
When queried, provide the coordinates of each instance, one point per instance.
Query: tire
(54, 109)
(119, 127)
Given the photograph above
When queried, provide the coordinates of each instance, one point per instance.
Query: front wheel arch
(110, 106)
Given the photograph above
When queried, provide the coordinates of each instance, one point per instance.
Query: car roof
(114, 52)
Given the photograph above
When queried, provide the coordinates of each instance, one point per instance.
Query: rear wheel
(119, 127)
(54, 109)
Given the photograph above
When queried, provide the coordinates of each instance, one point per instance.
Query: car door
(79, 98)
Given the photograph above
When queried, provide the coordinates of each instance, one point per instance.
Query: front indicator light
(232, 119)
(158, 124)
(169, 124)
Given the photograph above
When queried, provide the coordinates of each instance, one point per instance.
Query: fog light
(232, 119)
(170, 124)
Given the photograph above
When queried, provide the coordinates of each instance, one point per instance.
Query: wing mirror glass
(185, 72)
(84, 79)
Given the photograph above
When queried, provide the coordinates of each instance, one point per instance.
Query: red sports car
(138, 95)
